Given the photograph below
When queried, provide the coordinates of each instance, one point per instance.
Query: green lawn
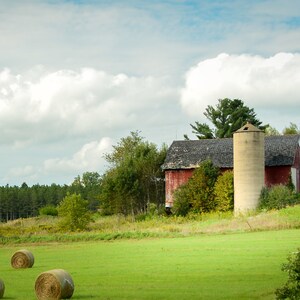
(229, 266)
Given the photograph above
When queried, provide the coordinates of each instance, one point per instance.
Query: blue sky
(76, 76)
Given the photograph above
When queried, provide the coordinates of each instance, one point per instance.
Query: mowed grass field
(217, 266)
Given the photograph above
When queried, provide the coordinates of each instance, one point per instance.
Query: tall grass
(44, 228)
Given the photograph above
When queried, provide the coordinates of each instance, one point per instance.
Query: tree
(88, 186)
(134, 179)
(270, 131)
(291, 289)
(224, 191)
(292, 129)
(227, 117)
(73, 210)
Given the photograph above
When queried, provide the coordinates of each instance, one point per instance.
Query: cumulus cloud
(49, 106)
(265, 84)
(46, 116)
(88, 158)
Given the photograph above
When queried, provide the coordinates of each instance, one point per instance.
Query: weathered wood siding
(174, 179)
(277, 175)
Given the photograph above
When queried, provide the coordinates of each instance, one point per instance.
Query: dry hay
(22, 259)
(2, 288)
(54, 284)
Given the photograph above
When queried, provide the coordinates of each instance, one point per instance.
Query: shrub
(224, 192)
(49, 210)
(74, 213)
(197, 194)
(291, 289)
(182, 203)
(276, 197)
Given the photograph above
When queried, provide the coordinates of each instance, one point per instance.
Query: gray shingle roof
(279, 151)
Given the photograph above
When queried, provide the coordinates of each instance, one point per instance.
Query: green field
(217, 266)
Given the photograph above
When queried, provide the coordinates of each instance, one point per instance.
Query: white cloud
(45, 116)
(265, 84)
(69, 104)
(88, 158)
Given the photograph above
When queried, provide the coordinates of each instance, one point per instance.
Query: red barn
(282, 160)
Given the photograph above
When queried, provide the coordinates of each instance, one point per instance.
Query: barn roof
(279, 151)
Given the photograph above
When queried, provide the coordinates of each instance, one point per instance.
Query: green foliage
(182, 200)
(134, 179)
(292, 129)
(276, 197)
(227, 117)
(224, 192)
(74, 213)
(291, 289)
(24, 201)
(270, 131)
(88, 186)
(198, 193)
(48, 210)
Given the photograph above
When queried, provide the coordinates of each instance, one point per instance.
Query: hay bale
(22, 259)
(2, 288)
(54, 284)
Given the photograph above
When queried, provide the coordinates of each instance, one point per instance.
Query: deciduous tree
(134, 179)
(292, 129)
(74, 213)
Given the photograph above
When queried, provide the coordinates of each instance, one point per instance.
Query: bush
(49, 210)
(74, 213)
(224, 192)
(197, 194)
(276, 197)
(291, 289)
(182, 203)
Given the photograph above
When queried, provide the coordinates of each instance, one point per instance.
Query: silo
(248, 167)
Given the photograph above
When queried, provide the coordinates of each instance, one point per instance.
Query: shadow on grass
(84, 297)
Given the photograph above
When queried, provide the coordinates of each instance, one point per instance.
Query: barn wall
(174, 179)
(298, 180)
(296, 167)
(277, 175)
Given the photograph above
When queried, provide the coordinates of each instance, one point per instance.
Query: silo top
(248, 128)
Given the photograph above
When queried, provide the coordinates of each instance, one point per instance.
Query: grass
(44, 229)
(213, 256)
(218, 266)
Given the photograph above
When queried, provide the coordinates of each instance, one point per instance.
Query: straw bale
(22, 259)
(2, 288)
(54, 284)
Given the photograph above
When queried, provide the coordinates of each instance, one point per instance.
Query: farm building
(282, 160)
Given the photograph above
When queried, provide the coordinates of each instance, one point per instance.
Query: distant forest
(24, 201)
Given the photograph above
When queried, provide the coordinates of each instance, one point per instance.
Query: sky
(77, 76)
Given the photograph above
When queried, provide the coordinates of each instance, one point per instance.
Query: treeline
(134, 180)
(24, 201)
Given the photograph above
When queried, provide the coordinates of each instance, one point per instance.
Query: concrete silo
(248, 167)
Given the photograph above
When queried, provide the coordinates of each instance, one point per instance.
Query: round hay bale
(2, 288)
(22, 259)
(54, 284)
